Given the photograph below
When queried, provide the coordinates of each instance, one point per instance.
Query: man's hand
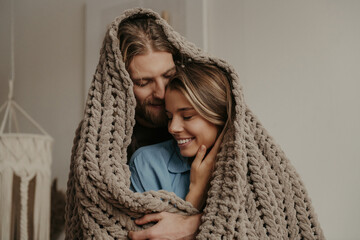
(168, 226)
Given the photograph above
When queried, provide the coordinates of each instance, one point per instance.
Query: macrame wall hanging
(25, 175)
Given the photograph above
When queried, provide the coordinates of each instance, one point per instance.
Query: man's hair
(141, 35)
(208, 90)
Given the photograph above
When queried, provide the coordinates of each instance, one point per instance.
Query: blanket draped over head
(255, 192)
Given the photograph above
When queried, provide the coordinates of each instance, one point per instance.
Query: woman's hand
(200, 174)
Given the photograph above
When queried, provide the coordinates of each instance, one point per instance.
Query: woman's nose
(175, 126)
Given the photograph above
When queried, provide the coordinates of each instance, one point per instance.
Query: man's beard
(153, 117)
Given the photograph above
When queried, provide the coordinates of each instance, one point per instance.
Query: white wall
(299, 64)
(49, 63)
(298, 61)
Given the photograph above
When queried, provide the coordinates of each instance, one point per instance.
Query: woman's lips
(184, 141)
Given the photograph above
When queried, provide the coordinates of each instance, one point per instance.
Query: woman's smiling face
(187, 126)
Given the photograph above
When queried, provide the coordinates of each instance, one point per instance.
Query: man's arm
(168, 226)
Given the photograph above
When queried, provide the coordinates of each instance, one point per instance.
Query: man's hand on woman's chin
(168, 226)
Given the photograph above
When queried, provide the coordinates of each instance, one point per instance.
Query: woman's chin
(188, 153)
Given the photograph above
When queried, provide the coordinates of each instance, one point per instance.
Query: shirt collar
(178, 163)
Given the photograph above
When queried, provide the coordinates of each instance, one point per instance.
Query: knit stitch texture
(255, 192)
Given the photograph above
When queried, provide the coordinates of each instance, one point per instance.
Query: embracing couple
(190, 159)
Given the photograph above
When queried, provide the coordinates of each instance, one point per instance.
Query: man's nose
(160, 85)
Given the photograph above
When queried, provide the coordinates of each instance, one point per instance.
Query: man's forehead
(138, 74)
(151, 65)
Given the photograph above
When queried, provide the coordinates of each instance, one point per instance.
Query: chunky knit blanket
(255, 192)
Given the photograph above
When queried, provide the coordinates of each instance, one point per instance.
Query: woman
(198, 104)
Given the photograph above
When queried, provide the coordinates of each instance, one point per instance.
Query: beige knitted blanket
(255, 192)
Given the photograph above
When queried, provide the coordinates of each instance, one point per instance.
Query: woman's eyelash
(184, 117)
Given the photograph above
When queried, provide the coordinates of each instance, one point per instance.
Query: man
(149, 59)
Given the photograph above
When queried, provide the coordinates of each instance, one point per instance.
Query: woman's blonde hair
(208, 90)
(139, 36)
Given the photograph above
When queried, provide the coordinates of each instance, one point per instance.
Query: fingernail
(203, 148)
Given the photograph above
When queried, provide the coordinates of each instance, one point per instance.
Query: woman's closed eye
(187, 117)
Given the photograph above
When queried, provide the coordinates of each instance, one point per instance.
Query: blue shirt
(160, 167)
